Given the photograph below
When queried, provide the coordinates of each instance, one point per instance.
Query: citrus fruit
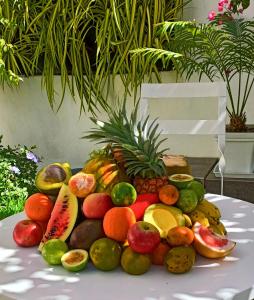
(168, 194)
(187, 201)
(159, 253)
(123, 194)
(75, 260)
(82, 184)
(135, 263)
(53, 250)
(180, 259)
(198, 188)
(105, 254)
(180, 236)
(38, 207)
(209, 244)
(180, 180)
(117, 222)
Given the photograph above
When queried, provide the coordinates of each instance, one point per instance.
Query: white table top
(24, 274)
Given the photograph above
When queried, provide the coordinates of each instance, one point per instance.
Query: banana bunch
(211, 211)
(208, 214)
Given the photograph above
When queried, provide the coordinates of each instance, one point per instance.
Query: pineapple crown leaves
(138, 141)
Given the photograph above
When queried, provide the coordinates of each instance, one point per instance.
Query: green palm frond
(152, 55)
(140, 151)
(208, 50)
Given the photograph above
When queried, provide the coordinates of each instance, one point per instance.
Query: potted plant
(223, 49)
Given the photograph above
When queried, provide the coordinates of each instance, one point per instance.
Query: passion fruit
(181, 181)
(75, 260)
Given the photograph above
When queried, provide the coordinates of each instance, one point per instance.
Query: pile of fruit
(122, 208)
(98, 217)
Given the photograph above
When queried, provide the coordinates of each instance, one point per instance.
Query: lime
(198, 188)
(75, 260)
(105, 254)
(135, 263)
(187, 201)
(53, 250)
(180, 259)
(123, 194)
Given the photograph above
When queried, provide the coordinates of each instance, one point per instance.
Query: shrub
(18, 167)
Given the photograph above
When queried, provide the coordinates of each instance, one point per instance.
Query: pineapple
(138, 151)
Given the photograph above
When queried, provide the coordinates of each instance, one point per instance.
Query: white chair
(180, 91)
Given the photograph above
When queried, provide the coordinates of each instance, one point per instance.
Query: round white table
(25, 275)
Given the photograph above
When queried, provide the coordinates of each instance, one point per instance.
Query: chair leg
(221, 184)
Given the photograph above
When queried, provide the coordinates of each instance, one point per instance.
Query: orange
(117, 222)
(38, 207)
(168, 194)
(135, 263)
(159, 253)
(105, 254)
(180, 236)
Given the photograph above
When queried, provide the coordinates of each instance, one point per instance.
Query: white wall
(27, 119)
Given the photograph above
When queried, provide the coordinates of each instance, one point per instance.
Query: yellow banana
(209, 209)
(218, 228)
(198, 216)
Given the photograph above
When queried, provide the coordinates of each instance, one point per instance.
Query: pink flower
(220, 22)
(211, 15)
(220, 8)
(222, 2)
(230, 5)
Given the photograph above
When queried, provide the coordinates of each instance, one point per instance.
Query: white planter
(239, 154)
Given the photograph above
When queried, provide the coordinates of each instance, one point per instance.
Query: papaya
(50, 178)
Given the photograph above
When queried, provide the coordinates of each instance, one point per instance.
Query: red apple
(143, 237)
(27, 233)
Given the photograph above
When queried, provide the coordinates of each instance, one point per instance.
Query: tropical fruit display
(122, 209)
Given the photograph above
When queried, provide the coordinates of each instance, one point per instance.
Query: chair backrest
(181, 91)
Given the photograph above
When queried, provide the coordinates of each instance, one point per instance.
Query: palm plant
(220, 52)
(87, 42)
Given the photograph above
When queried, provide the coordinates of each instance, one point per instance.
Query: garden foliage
(18, 167)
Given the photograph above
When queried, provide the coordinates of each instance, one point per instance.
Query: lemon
(53, 250)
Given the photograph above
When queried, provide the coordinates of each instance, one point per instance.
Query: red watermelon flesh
(63, 216)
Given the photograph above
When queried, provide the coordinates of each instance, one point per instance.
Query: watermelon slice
(63, 216)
